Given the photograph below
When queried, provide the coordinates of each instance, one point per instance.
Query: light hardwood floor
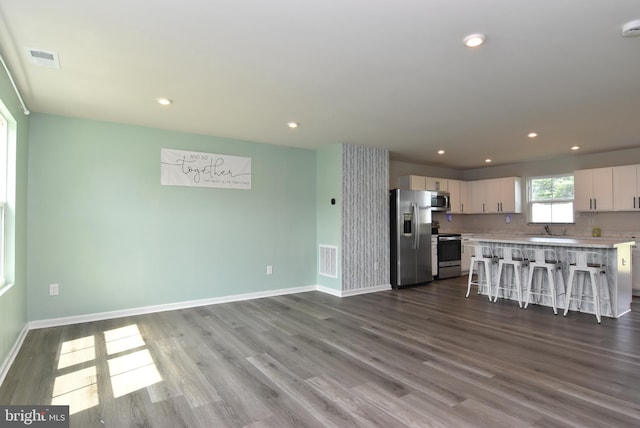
(423, 356)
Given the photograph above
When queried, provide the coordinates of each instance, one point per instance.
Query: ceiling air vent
(631, 29)
(44, 58)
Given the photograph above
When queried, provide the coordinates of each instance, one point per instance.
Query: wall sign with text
(182, 168)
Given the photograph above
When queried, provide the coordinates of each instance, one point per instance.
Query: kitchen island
(616, 254)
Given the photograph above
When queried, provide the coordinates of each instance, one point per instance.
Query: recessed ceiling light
(532, 134)
(575, 148)
(293, 125)
(164, 101)
(631, 28)
(440, 152)
(487, 160)
(474, 40)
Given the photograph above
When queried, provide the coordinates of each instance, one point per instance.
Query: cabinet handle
(634, 202)
(483, 207)
(461, 208)
(498, 206)
(590, 203)
(595, 204)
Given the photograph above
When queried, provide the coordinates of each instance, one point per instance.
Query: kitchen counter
(616, 253)
(554, 241)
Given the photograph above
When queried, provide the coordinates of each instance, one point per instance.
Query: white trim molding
(99, 316)
(56, 322)
(366, 290)
(6, 364)
(355, 292)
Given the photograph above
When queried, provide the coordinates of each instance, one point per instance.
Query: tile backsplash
(611, 224)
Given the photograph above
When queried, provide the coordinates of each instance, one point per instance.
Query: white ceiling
(391, 74)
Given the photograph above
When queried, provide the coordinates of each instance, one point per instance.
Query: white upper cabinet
(412, 182)
(497, 195)
(434, 183)
(458, 191)
(478, 196)
(418, 182)
(626, 188)
(593, 189)
(510, 195)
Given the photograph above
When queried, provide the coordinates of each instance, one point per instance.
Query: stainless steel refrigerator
(410, 237)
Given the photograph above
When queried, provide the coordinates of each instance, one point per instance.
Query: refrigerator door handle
(416, 225)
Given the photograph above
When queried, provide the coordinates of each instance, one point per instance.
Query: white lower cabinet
(635, 271)
(434, 256)
(465, 260)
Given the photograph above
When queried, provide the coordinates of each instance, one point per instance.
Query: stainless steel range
(449, 255)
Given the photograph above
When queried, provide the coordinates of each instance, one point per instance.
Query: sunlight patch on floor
(129, 372)
(123, 339)
(78, 390)
(77, 351)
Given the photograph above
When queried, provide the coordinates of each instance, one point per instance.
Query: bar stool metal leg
(589, 263)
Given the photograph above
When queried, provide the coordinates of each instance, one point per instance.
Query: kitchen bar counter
(553, 241)
(616, 252)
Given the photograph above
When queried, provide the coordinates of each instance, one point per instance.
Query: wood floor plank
(423, 356)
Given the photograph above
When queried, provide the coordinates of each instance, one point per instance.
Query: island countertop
(615, 252)
(555, 241)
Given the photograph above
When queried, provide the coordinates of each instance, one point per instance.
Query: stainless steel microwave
(440, 201)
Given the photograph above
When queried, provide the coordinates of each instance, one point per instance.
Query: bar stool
(510, 256)
(588, 262)
(483, 256)
(546, 259)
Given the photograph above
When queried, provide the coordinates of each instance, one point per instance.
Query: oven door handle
(450, 238)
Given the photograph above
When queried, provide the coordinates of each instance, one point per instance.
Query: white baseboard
(56, 322)
(77, 319)
(366, 290)
(347, 293)
(6, 364)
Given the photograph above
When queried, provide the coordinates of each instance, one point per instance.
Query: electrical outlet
(269, 270)
(54, 289)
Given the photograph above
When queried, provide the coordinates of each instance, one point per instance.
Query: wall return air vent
(43, 58)
(328, 261)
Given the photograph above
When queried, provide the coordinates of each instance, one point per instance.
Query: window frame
(531, 201)
(4, 167)
(8, 131)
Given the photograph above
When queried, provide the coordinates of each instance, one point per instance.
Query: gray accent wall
(365, 217)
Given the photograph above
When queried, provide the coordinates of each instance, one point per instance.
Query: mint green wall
(329, 225)
(101, 225)
(13, 313)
